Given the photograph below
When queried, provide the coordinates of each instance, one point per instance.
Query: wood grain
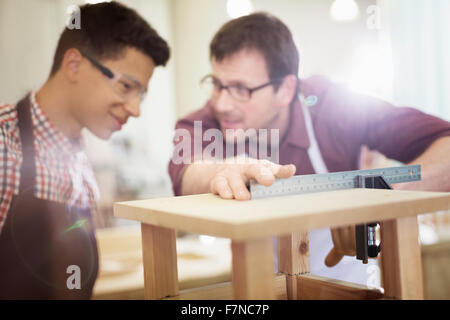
(224, 291)
(160, 261)
(402, 260)
(293, 259)
(253, 269)
(311, 287)
(239, 220)
(293, 253)
(291, 287)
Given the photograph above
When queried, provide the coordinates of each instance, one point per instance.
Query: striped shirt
(63, 173)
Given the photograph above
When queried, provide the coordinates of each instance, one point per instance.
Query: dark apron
(41, 239)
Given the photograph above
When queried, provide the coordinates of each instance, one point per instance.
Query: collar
(46, 132)
(297, 134)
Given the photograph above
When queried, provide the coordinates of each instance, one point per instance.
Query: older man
(321, 128)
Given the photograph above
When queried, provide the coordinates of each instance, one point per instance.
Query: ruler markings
(332, 181)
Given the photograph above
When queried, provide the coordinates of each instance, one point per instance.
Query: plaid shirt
(63, 173)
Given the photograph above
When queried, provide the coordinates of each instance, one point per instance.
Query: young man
(321, 126)
(99, 77)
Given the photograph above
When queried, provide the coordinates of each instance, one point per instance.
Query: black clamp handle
(365, 234)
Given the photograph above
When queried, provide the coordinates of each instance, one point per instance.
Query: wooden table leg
(293, 259)
(401, 259)
(160, 261)
(253, 274)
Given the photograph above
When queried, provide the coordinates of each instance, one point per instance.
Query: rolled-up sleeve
(400, 133)
(176, 168)
(185, 126)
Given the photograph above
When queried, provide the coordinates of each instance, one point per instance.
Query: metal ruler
(332, 181)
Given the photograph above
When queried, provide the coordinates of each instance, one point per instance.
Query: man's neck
(285, 121)
(56, 107)
(281, 122)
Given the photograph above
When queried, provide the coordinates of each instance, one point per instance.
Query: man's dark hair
(263, 32)
(107, 29)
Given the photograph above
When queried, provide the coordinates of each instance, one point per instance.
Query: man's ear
(70, 65)
(287, 90)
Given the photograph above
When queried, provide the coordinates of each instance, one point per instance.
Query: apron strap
(315, 156)
(28, 167)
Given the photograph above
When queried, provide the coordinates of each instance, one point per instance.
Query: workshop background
(397, 50)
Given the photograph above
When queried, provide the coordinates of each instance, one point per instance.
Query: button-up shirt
(343, 121)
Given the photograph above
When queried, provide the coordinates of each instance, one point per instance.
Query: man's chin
(102, 134)
(237, 136)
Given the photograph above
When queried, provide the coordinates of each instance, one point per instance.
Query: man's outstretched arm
(229, 178)
(435, 163)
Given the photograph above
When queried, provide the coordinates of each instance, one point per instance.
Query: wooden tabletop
(240, 220)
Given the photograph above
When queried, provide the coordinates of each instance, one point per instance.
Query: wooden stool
(251, 225)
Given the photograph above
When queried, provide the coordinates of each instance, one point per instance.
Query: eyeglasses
(212, 87)
(125, 86)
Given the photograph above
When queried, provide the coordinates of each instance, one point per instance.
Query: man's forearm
(435, 163)
(229, 178)
(196, 178)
